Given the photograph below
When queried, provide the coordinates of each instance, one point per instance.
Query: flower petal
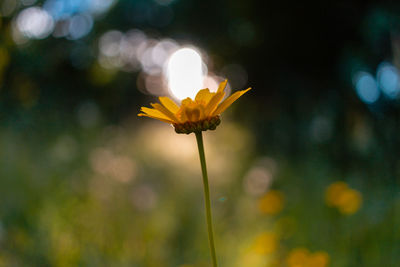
(182, 115)
(165, 111)
(169, 104)
(193, 114)
(222, 86)
(187, 101)
(227, 102)
(157, 118)
(204, 95)
(155, 114)
(212, 105)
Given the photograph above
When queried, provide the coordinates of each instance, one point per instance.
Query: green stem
(199, 138)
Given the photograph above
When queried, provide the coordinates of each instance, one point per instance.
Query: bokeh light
(347, 200)
(388, 79)
(62, 9)
(272, 202)
(257, 181)
(35, 23)
(80, 25)
(266, 243)
(185, 73)
(70, 19)
(366, 87)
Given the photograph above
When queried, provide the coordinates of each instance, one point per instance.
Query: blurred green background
(304, 169)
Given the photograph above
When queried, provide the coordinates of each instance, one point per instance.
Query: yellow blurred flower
(333, 193)
(347, 200)
(301, 257)
(272, 202)
(265, 243)
(318, 259)
(298, 257)
(350, 201)
(196, 115)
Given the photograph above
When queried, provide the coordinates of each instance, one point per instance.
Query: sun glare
(185, 73)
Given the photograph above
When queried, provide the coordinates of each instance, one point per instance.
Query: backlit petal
(222, 86)
(195, 113)
(227, 102)
(165, 111)
(187, 101)
(155, 114)
(212, 105)
(182, 115)
(157, 118)
(204, 96)
(169, 104)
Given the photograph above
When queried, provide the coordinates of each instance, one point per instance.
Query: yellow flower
(196, 115)
(347, 200)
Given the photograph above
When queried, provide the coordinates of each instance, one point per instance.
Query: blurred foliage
(306, 175)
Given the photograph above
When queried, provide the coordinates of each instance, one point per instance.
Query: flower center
(188, 127)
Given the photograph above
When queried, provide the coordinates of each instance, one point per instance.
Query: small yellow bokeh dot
(333, 193)
(272, 202)
(350, 201)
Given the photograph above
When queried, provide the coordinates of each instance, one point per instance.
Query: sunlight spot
(185, 73)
